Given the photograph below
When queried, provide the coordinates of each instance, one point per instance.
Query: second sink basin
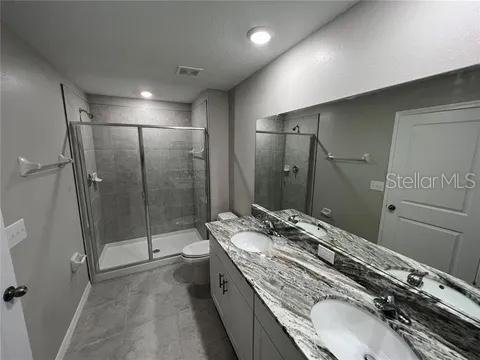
(443, 292)
(252, 241)
(312, 229)
(350, 333)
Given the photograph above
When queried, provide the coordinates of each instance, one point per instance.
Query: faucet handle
(390, 299)
(293, 218)
(383, 302)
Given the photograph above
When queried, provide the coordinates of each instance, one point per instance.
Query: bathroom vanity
(282, 301)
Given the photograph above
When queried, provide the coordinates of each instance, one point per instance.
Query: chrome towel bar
(27, 167)
(365, 158)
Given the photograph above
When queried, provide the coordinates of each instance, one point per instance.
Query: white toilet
(197, 256)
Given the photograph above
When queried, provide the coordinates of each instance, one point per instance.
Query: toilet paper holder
(76, 261)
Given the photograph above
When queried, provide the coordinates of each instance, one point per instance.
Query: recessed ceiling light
(146, 94)
(259, 35)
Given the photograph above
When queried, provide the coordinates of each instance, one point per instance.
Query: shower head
(297, 128)
(90, 115)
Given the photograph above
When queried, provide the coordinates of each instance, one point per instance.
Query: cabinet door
(240, 320)
(263, 348)
(217, 276)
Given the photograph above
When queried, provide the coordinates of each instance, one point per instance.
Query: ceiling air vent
(188, 70)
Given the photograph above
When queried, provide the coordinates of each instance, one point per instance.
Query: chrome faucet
(271, 230)
(293, 218)
(415, 278)
(390, 310)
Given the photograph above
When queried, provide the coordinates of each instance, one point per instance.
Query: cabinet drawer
(243, 287)
(279, 338)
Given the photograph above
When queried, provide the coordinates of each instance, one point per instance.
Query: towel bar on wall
(27, 167)
(365, 158)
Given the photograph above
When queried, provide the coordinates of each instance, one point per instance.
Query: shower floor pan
(135, 250)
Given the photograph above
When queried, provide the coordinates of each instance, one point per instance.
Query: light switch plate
(326, 254)
(377, 185)
(16, 232)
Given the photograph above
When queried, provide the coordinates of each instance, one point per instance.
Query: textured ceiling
(119, 48)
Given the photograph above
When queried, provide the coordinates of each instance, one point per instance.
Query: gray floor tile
(204, 324)
(142, 308)
(159, 281)
(155, 315)
(155, 339)
(99, 322)
(110, 290)
(196, 349)
(106, 349)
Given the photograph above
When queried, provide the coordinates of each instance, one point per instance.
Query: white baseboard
(73, 324)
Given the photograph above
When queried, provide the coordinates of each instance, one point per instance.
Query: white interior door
(430, 220)
(14, 337)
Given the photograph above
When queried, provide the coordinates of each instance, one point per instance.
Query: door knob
(391, 207)
(14, 292)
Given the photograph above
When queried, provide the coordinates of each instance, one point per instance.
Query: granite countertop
(379, 256)
(290, 280)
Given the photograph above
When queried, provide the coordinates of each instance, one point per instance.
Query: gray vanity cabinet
(271, 341)
(236, 312)
(263, 348)
(251, 328)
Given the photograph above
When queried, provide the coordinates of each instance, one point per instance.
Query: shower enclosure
(143, 192)
(284, 164)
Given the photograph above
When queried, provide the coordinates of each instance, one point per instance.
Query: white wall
(33, 125)
(371, 46)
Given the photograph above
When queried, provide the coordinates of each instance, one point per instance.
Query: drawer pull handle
(220, 280)
(224, 287)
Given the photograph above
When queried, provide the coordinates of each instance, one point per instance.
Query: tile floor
(154, 315)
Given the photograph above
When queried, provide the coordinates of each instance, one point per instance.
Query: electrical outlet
(16, 232)
(377, 185)
(326, 254)
(326, 212)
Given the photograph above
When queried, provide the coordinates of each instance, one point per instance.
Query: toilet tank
(226, 216)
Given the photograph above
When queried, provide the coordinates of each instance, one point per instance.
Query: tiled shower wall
(168, 163)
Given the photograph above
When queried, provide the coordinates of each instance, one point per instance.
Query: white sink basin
(350, 333)
(312, 229)
(443, 292)
(252, 241)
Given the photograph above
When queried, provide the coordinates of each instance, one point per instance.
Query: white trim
(73, 324)
(398, 116)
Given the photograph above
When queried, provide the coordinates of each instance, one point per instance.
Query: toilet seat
(197, 250)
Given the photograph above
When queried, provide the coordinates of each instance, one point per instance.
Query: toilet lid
(197, 249)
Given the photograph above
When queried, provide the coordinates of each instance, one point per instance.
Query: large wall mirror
(399, 167)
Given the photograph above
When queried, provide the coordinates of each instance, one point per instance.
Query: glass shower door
(109, 179)
(177, 187)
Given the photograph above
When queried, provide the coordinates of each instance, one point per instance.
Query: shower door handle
(220, 280)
